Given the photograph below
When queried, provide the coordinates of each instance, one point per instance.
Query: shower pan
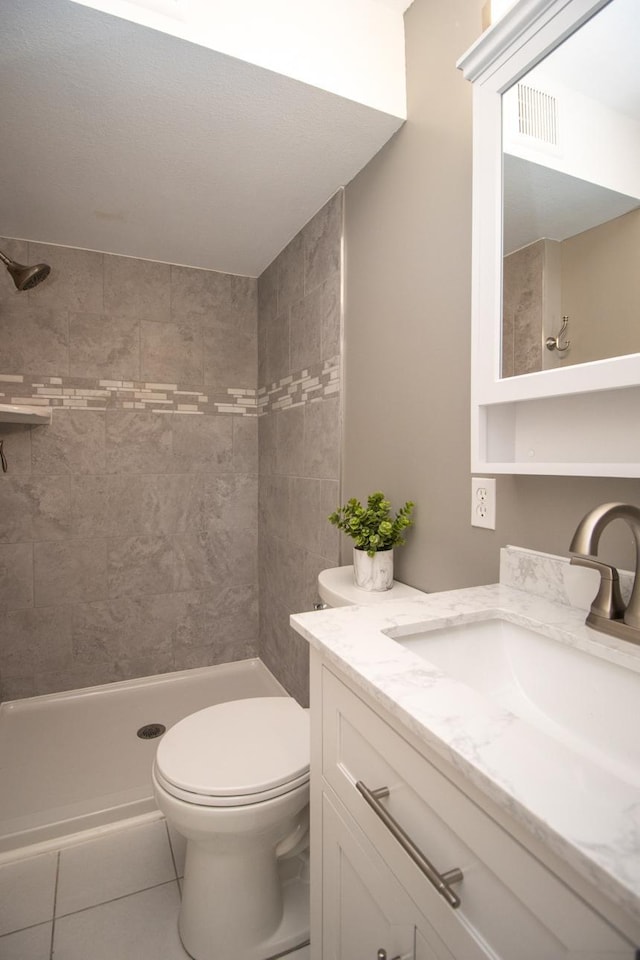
(79, 760)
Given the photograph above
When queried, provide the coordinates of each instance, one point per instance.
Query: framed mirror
(571, 200)
(556, 245)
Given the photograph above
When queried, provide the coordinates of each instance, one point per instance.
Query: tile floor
(115, 897)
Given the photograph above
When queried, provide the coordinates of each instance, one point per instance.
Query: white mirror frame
(581, 420)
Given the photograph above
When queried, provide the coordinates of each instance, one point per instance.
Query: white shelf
(583, 434)
(23, 413)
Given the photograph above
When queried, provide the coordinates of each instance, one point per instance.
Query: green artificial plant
(372, 527)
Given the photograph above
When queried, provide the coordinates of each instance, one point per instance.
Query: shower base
(72, 761)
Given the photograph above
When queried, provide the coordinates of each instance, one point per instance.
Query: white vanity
(532, 797)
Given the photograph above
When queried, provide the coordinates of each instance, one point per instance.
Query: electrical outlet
(483, 502)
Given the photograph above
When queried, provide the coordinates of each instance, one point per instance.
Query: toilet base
(293, 930)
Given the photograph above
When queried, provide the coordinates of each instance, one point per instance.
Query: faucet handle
(608, 603)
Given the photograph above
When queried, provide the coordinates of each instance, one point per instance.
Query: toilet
(233, 779)
(336, 588)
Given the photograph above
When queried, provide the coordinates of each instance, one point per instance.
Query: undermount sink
(588, 703)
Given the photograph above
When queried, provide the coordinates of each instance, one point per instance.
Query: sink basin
(589, 703)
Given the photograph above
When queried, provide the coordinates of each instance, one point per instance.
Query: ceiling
(127, 140)
(542, 202)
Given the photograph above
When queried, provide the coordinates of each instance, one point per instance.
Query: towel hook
(556, 343)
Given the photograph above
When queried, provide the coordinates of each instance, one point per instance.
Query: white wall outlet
(483, 502)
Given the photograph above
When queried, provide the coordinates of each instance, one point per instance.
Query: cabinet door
(365, 909)
(431, 948)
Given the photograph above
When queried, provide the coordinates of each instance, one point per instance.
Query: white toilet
(336, 588)
(233, 779)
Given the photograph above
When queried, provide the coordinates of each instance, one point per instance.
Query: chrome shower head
(26, 278)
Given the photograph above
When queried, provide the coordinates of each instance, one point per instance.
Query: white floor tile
(140, 927)
(113, 866)
(26, 892)
(31, 944)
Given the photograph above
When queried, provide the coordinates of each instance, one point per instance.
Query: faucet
(608, 612)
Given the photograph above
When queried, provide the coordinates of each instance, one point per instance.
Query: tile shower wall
(299, 333)
(128, 528)
(523, 310)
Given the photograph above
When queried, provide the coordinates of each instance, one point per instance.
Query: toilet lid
(242, 748)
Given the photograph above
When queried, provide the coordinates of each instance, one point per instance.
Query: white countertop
(588, 818)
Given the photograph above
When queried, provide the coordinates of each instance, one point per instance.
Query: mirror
(571, 200)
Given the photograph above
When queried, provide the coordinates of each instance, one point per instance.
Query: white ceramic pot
(373, 573)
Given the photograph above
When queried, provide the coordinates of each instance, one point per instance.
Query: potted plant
(375, 533)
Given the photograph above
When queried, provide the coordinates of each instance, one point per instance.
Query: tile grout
(30, 926)
(55, 900)
(173, 858)
(124, 896)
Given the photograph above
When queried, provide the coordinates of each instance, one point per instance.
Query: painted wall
(601, 288)
(299, 332)
(128, 528)
(591, 278)
(407, 335)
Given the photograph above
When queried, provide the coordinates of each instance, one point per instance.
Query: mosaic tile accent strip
(314, 383)
(94, 394)
(81, 393)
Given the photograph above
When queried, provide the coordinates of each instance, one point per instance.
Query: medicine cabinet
(555, 382)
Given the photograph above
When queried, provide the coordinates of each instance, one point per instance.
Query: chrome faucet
(608, 612)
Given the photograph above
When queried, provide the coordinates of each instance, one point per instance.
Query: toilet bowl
(233, 779)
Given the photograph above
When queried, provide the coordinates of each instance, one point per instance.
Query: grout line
(124, 896)
(173, 858)
(55, 900)
(290, 953)
(31, 926)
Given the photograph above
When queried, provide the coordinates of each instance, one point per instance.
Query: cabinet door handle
(440, 881)
(382, 955)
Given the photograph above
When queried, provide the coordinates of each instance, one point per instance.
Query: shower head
(26, 278)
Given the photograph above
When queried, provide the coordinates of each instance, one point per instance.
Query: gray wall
(128, 528)
(299, 332)
(407, 335)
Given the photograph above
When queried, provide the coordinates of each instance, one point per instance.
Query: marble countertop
(589, 818)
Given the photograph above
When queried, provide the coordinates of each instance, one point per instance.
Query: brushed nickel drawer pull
(439, 880)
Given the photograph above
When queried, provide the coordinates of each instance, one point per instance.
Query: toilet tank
(336, 588)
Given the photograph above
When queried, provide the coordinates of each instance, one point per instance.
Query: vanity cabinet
(366, 910)
(368, 892)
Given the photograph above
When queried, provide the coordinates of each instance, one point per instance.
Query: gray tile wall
(299, 333)
(523, 310)
(128, 530)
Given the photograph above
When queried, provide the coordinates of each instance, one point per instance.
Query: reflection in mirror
(571, 199)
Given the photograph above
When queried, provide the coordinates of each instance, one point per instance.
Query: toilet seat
(236, 753)
(208, 800)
